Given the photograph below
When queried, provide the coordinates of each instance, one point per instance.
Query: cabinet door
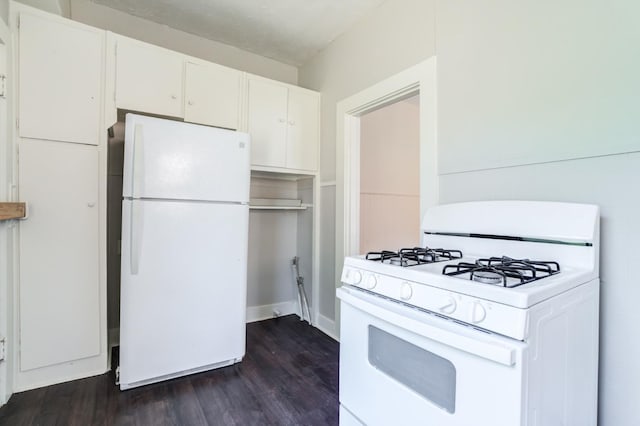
(212, 95)
(267, 123)
(303, 130)
(60, 74)
(148, 78)
(59, 295)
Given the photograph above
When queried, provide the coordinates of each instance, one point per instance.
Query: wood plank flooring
(289, 376)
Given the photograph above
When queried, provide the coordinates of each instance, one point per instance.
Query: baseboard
(327, 326)
(263, 312)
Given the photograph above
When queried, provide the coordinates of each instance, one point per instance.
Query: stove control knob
(406, 291)
(356, 277)
(449, 307)
(371, 282)
(478, 313)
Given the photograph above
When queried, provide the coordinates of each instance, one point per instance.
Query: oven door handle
(419, 323)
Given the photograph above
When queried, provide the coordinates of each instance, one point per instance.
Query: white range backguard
(185, 221)
(419, 347)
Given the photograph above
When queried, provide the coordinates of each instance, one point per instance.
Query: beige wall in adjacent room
(389, 177)
(119, 22)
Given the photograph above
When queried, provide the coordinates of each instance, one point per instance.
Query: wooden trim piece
(12, 211)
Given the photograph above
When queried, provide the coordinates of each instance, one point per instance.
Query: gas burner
(503, 271)
(486, 277)
(413, 256)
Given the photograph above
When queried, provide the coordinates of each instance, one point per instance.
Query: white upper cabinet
(303, 129)
(148, 78)
(60, 79)
(212, 95)
(283, 122)
(267, 123)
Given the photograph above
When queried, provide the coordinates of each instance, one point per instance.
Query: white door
(400, 366)
(268, 123)
(60, 80)
(183, 294)
(59, 254)
(303, 129)
(212, 95)
(148, 78)
(174, 160)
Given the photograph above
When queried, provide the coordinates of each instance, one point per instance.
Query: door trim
(419, 79)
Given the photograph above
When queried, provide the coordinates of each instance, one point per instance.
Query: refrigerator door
(173, 160)
(183, 290)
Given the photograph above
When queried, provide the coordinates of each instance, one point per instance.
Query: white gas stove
(495, 284)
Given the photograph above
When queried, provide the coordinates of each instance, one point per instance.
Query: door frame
(418, 79)
(6, 228)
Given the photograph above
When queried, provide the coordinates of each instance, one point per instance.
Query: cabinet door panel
(267, 123)
(60, 72)
(212, 95)
(59, 254)
(303, 131)
(148, 78)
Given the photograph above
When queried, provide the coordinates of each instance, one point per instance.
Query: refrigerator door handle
(138, 161)
(137, 227)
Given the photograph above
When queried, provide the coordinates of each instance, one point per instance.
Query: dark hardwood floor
(289, 376)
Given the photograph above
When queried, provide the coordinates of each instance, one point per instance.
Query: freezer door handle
(136, 230)
(138, 161)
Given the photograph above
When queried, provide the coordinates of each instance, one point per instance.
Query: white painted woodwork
(59, 295)
(212, 95)
(283, 122)
(148, 78)
(60, 68)
(303, 129)
(267, 123)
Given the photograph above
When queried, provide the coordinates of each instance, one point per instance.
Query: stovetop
(502, 271)
(510, 281)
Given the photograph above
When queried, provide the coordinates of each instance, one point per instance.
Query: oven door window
(424, 372)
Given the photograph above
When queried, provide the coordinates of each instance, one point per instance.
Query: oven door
(402, 366)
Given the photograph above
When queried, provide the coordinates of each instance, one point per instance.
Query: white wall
(393, 37)
(526, 82)
(119, 22)
(390, 177)
(553, 83)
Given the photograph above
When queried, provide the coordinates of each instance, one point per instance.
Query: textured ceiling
(290, 31)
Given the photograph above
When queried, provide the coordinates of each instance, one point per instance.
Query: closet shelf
(276, 204)
(276, 207)
(12, 210)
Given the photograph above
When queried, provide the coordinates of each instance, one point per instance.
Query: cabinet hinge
(2, 348)
(3, 85)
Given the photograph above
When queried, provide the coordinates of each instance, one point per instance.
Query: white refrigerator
(185, 221)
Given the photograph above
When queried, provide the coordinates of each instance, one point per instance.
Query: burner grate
(498, 270)
(414, 256)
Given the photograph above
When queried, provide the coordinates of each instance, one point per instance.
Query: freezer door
(183, 290)
(173, 160)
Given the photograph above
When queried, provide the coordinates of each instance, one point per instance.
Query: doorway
(390, 176)
(418, 80)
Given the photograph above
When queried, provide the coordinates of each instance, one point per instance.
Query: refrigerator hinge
(3, 85)
(3, 344)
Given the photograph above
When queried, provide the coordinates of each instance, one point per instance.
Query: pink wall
(389, 177)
